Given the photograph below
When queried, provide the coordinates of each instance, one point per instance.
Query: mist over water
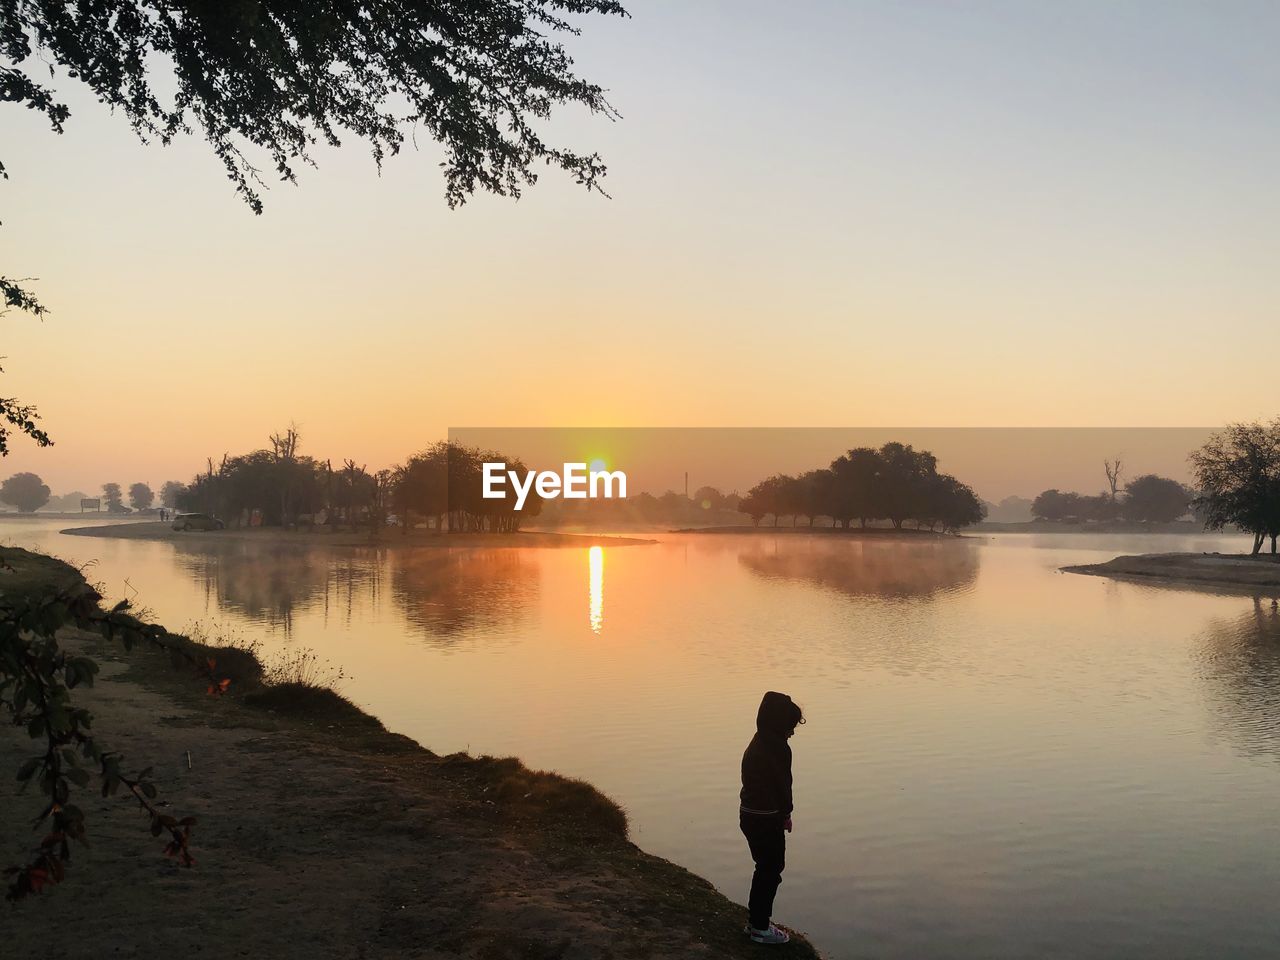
(1000, 757)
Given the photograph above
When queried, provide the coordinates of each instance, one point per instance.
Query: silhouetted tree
(26, 491)
(895, 483)
(1056, 505)
(753, 507)
(950, 504)
(708, 498)
(807, 494)
(771, 495)
(857, 489)
(278, 77)
(170, 492)
(113, 498)
(1153, 499)
(1238, 475)
(1114, 468)
(903, 481)
(1098, 507)
(140, 496)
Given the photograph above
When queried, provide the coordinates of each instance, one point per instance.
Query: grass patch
(311, 703)
(26, 574)
(538, 795)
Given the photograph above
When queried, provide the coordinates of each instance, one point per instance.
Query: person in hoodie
(765, 813)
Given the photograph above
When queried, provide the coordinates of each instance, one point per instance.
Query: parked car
(196, 521)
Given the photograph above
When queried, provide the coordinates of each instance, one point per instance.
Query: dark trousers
(768, 842)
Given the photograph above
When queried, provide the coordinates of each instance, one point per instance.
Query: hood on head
(777, 714)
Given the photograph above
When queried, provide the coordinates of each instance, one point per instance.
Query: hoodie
(766, 764)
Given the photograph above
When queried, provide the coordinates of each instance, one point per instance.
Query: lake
(1001, 760)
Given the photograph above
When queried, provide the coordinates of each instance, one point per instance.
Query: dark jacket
(766, 764)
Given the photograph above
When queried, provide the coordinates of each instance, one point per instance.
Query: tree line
(1145, 499)
(895, 483)
(281, 486)
(29, 493)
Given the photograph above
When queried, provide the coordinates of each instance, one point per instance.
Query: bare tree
(1114, 469)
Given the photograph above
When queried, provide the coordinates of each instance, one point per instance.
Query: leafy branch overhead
(281, 77)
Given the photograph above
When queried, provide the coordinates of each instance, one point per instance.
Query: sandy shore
(1236, 571)
(322, 835)
(391, 537)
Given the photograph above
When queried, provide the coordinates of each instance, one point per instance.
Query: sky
(821, 214)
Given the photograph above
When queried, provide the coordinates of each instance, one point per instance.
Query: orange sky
(900, 215)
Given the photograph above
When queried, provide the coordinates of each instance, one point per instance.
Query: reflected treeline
(270, 584)
(1241, 671)
(448, 592)
(868, 568)
(441, 593)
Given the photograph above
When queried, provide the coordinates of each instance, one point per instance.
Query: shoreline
(394, 538)
(1126, 527)
(1233, 572)
(869, 533)
(318, 830)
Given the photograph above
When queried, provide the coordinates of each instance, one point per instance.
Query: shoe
(773, 935)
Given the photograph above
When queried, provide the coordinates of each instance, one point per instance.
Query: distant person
(765, 814)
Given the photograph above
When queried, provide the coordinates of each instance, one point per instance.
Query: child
(766, 808)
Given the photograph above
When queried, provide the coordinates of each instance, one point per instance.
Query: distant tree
(950, 504)
(904, 480)
(1012, 509)
(1114, 468)
(1056, 505)
(170, 492)
(140, 496)
(421, 486)
(856, 491)
(1238, 475)
(708, 498)
(1098, 508)
(674, 504)
(113, 498)
(796, 500)
(810, 494)
(753, 507)
(895, 483)
(1153, 499)
(445, 482)
(67, 502)
(26, 491)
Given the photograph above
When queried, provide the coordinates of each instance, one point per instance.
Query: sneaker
(773, 935)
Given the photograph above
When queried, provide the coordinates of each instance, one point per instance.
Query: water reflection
(271, 585)
(1240, 664)
(595, 561)
(868, 568)
(440, 592)
(444, 593)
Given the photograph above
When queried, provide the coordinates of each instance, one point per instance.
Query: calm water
(1001, 760)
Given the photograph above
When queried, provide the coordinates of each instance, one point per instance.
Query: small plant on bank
(37, 680)
(302, 668)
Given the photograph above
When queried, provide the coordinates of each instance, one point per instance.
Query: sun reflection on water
(595, 560)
